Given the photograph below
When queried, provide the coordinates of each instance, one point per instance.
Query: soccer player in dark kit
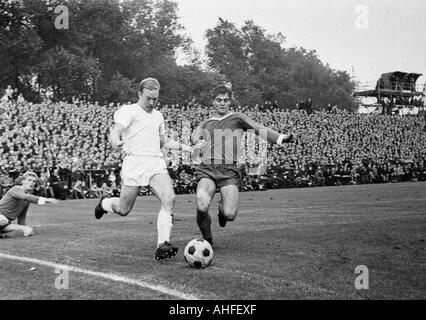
(218, 168)
(14, 205)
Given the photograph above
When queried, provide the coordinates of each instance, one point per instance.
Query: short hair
(26, 175)
(222, 89)
(149, 83)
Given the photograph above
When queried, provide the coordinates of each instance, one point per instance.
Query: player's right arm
(200, 139)
(201, 134)
(115, 135)
(122, 119)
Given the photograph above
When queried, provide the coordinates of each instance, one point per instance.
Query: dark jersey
(223, 137)
(16, 202)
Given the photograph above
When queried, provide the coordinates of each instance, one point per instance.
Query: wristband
(41, 200)
(280, 139)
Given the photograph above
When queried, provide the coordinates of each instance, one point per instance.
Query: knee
(3, 221)
(230, 213)
(168, 201)
(28, 231)
(124, 211)
(203, 203)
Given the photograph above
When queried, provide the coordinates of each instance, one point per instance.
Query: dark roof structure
(394, 84)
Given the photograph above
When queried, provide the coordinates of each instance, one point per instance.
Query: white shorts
(137, 171)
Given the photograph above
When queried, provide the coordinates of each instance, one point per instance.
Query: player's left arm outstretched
(271, 136)
(19, 194)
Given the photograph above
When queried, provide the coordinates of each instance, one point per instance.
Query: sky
(363, 37)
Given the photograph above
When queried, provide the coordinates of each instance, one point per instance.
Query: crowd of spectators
(67, 145)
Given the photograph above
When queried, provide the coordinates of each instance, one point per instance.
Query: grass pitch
(284, 244)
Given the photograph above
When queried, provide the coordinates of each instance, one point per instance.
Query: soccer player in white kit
(140, 130)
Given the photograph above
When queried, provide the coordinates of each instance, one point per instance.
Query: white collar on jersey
(215, 118)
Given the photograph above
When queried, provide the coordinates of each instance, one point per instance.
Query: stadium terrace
(74, 159)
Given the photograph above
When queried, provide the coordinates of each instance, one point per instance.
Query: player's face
(149, 98)
(29, 183)
(221, 104)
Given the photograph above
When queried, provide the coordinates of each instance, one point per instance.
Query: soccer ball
(198, 253)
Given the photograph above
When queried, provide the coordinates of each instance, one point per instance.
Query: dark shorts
(221, 174)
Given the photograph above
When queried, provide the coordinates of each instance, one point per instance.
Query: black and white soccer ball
(198, 253)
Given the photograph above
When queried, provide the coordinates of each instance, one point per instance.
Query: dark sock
(221, 208)
(204, 222)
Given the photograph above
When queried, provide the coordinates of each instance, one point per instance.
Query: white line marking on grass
(108, 276)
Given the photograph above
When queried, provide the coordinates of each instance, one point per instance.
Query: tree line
(109, 46)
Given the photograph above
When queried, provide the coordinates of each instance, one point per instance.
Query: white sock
(164, 226)
(106, 204)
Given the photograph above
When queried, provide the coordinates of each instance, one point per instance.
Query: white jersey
(141, 136)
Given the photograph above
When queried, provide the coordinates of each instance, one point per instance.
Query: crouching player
(14, 205)
(218, 168)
